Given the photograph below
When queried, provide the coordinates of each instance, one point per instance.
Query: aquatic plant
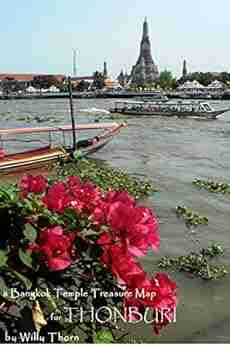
(197, 263)
(212, 186)
(69, 251)
(106, 177)
(191, 218)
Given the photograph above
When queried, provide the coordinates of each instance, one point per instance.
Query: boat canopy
(79, 127)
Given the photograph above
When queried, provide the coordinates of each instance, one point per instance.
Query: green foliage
(3, 258)
(197, 263)
(45, 81)
(98, 80)
(212, 186)
(30, 232)
(22, 220)
(77, 155)
(166, 80)
(106, 177)
(191, 218)
(103, 337)
(206, 78)
(25, 257)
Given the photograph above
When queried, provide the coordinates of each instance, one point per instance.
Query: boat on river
(153, 98)
(48, 153)
(168, 109)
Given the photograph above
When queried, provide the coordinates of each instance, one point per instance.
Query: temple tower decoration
(123, 78)
(145, 71)
(105, 72)
(184, 70)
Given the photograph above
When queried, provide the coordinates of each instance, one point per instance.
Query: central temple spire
(145, 29)
(145, 71)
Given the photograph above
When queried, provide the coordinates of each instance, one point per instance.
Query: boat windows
(205, 107)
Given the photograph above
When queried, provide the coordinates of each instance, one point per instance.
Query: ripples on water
(171, 152)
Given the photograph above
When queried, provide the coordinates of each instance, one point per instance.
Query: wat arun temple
(145, 71)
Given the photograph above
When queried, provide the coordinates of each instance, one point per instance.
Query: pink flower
(123, 266)
(119, 196)
(159, 294)
(55, 248)
(2, 154)
(136, 227)
(56, 198)
(30, 183)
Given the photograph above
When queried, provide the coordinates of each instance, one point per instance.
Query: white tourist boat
(168, 109)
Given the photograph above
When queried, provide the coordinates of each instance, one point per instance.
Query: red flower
(87, 194)
(136, 227)
(56, 198)
(159, 294)
(35, 184)
(119, 196)
(123, 266)
(55, 248)
(2, 154)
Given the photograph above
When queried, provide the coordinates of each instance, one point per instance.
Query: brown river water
(171, 153)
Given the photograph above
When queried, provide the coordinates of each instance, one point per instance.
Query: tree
(98, 80)
(166, 80)
(82, 86)
(45, 81)
(10, 85)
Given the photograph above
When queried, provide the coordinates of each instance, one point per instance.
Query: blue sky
(39, 35)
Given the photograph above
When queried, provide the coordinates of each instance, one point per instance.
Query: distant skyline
(39, 36)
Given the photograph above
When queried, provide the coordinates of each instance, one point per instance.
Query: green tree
(82, 86)
(98, 80)
(166, 80)
(10, 85)
(45, 81)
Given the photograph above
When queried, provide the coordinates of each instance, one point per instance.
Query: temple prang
(145, 71)
(184, 70)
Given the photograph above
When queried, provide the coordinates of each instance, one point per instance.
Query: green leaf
(88, 232)
(103, 337)
(77, 154)
(30, 232)
(3, 258)
(25, 257)
(22, 278)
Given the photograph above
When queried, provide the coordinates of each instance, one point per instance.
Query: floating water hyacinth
(212, 186)
(191, 218)
(106, 177)
(197, 263)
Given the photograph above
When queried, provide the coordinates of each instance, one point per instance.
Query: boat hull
(32, 158)
(203, 115)
(42, 156)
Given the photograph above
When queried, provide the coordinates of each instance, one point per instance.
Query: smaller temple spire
(184, 71)
(105, 72)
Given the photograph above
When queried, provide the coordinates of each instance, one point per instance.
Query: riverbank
(115, 94)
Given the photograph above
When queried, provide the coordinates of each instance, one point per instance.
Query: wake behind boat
(94, 111)
(179, 109)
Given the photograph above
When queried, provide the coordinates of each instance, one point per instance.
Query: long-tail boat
(201, 110)
(45, 154)
(40, 156)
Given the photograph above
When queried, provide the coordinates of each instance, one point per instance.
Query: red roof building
(28, 77)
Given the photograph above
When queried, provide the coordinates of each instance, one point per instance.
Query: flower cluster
(119, 228)
(55, 247)
(2, 153)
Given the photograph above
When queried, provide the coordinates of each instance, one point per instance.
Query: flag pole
(72, 112)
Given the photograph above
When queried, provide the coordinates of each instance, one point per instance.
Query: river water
(171, 153)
